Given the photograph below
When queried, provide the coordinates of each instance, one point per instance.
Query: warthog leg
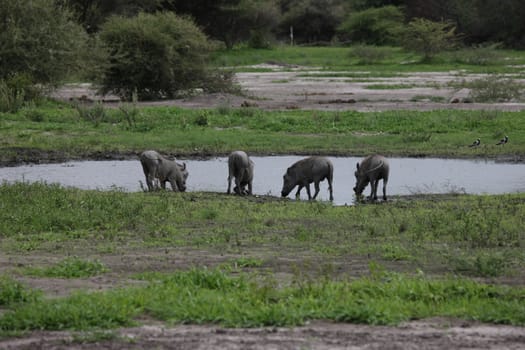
(308, 191)
(229, 184)
(298, 193)
(316, 186)
(373, 187)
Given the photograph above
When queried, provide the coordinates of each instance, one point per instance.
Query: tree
(312, 20)
(252, 20)
(153, 54)
(429, 38)
(477, 21)
(230, 21)
(376, 26)
(38, 40)
(92, 13)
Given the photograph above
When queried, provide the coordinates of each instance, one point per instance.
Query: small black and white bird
(475, 143)
(503, 140)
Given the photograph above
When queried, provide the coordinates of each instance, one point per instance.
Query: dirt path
(428, 334)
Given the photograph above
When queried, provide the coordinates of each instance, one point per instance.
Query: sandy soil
(273, 90)
(428, 334)
(304, 88)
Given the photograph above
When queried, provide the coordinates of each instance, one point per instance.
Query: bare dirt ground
(304, 88)
(278, 89)
(321, 335)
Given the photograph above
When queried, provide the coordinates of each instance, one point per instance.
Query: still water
(407, 176)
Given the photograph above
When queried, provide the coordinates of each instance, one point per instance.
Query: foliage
(479, 21)
(367, 54)
(437, 234)
(154, 55)
(95, 113)
(93, 13)
(494, 88)
(248, 20)
(374, 26)
(11, 99)
(429, 38)
(218, 131)
(479, 236)
(233, 21)
(34, 36)
(71, 267)
(12, 291)
(483, 55)
(212, 296)
(313, 21)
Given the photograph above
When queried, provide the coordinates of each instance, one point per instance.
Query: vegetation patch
(202, 296)
(72, 267)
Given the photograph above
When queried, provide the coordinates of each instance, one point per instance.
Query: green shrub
(38, 39)
(368, 54)
(71, 267)
(92, 113)
(12, 291)
(495, 88)
(480, 55)
(15, 90)
(376, 26)
(155, 55)
(11, 100)
(429, 38)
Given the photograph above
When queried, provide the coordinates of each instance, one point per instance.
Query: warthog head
(361, 181)
(289, 182)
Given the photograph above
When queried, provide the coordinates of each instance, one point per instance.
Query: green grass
(393, 60)
(478, 236)
(71, 267)
(60, 132)
(435, 244)
(202, 296)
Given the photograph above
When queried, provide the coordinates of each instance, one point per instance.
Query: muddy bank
(20, 156)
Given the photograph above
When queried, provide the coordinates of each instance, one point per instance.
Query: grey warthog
(160, 169)
(371, 170)
(306, 171)
(240, 166)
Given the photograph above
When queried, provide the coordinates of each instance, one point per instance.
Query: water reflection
(407, 176)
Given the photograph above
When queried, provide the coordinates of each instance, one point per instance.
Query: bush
(478, 55)
(38, 39)
(155, 55)
(376, 26)
(367, 54)
(495, 88)
(11, 100)
(429, 38)
(92, 113)
(15, 91)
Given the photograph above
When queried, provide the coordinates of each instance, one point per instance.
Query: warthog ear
(183, 166)
(357, 166)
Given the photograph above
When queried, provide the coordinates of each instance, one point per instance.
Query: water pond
(407, 176)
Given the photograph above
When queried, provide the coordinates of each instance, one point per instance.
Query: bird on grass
(475, 143)
(503, 141)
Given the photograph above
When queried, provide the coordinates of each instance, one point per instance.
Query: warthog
(240, 166)
(372, 169)
(306, 171)
(160, 169)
